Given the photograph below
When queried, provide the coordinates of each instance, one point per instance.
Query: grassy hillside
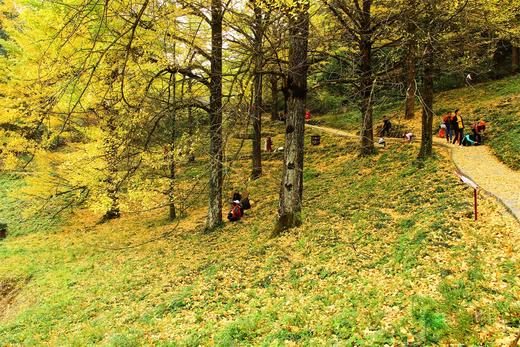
(497, 102)
(388, 254)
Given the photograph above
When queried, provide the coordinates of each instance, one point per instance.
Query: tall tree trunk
(112, 188)
(427, 108)
(214, 218)
(291, 190)
(367, 82)
(257, 90)
(515, 59)
(285, 91)
(171, 150)
(191, 126)
(410, 85)
(274, 98)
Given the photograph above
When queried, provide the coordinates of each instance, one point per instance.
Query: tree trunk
(367, 82)
(427, 108)
(214, 218)
(515, 59)
(274, 98)
(285, 91)
(257, 99)
(191, 127)
(171, 151)
(291, 190)
(410, 86)
(112, 188)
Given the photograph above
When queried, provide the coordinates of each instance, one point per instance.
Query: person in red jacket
(307, 116)
(236, 212)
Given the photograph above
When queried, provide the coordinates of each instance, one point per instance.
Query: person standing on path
(459, 130)
(447, 122)
(454, 128)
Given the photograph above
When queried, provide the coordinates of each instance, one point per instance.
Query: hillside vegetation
(497, 102)
(388, 254)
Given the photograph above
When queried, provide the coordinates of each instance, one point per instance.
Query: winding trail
(477, 163)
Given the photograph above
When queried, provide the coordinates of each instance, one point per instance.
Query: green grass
(13, 209)
(497, 102)
(385, 256)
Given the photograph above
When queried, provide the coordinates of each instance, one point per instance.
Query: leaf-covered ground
(388, 254)
(497, 102)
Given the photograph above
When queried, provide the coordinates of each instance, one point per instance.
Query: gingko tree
(291, 189)
(366, 27)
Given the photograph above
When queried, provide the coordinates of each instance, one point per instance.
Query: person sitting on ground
(236, 212)
(387, 125)
(245, 203)
(469, 140)
(478, 129)
(409, 137)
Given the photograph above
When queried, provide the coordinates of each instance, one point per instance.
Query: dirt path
(479, 164)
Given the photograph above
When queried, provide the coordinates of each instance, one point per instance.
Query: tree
(410, 62)
(364, 29)
(291, 190)
(258, 33)
(214, 218)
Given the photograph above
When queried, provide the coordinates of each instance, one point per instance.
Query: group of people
(452, 128)
(239, 204)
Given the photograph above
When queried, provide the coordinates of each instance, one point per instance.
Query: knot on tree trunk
(289, 129)
(291, 166)
(289, 187)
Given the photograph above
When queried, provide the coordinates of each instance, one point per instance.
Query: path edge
(342, 133)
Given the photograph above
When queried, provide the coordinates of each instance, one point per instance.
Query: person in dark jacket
(387, 125)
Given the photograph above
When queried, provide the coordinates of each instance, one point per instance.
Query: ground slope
(388, 254)
(498, 102)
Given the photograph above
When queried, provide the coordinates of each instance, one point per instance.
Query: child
(409, 137)
(469, 140)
